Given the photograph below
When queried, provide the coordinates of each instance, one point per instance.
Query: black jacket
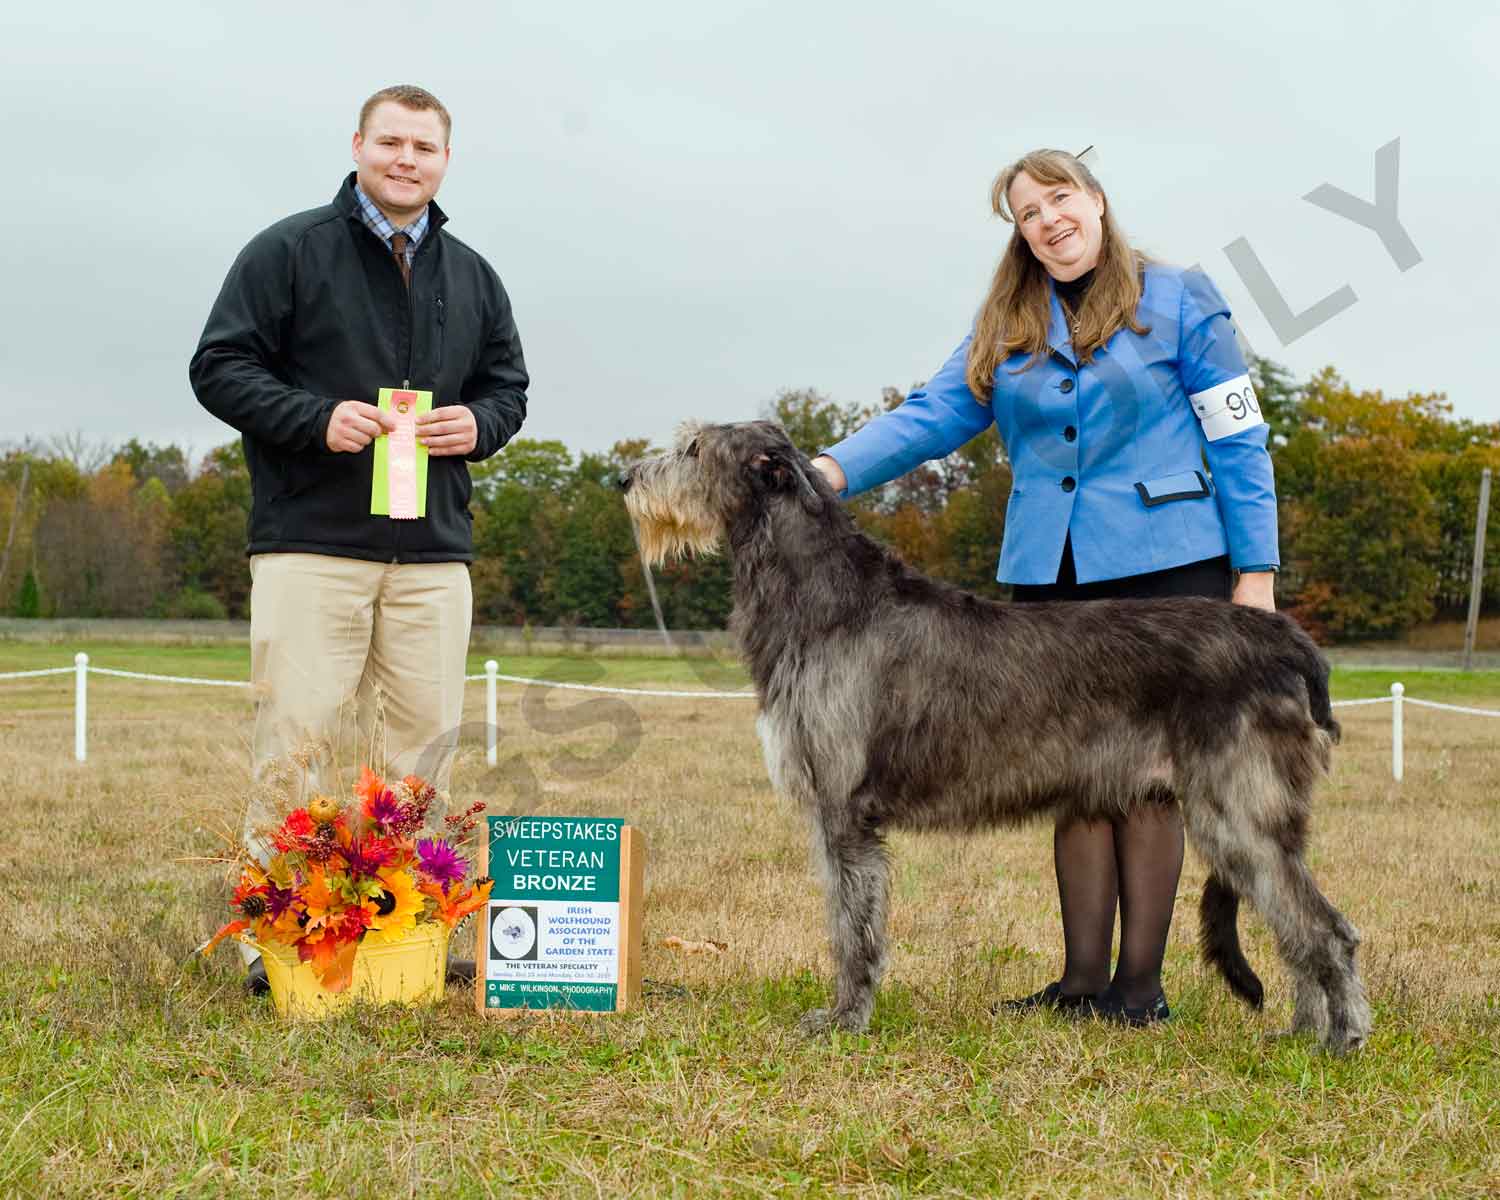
(314, 312)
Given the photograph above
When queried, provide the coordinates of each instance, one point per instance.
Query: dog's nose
(624, 479)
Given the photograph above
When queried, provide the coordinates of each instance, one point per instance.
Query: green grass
(1446, 685)
(190, 1089)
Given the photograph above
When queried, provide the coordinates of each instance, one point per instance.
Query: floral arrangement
(342, 874)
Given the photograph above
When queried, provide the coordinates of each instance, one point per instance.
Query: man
(318, 314)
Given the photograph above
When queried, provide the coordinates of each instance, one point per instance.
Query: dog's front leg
(857, 875)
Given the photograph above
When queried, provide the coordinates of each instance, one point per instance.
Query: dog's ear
(777, 472)
(772, 472)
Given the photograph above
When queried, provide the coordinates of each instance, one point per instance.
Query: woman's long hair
(1017, 311)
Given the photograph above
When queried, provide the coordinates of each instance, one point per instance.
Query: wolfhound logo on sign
(559, 919)
(513, 934)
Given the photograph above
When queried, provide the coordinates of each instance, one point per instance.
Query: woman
(1111, 378)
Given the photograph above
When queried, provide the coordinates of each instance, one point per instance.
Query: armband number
(1227, 408)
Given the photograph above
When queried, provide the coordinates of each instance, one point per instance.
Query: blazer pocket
(1186, 485)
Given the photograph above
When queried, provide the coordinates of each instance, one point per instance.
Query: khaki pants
(365, 657)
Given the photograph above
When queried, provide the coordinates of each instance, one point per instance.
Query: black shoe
(1052, 996)
(460, 970)
(256, 982)
(1109, 1007)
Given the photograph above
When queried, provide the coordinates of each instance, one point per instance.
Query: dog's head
(685, 500)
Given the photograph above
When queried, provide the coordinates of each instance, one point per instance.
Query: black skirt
(1211, 577)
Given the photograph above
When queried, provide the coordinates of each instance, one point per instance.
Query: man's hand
(354, 425)
(448, 430)
(1256, 589)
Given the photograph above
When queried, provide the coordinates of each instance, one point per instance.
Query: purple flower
(440, 862)
(383, 808)
(278, 900)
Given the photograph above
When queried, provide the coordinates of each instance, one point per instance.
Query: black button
(1069, 483)
(1066, 385)
(1070, 434)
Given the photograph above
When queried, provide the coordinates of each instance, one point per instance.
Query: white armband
(1227, 408)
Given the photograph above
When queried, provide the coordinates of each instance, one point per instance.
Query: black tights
(1135, 862)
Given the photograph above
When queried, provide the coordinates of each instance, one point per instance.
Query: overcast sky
(695, 205)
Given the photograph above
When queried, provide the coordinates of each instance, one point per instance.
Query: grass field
(127, 1067)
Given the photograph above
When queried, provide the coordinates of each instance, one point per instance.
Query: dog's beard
(663, 534)
(662, 542)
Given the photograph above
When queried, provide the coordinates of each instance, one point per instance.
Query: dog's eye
(692, 449)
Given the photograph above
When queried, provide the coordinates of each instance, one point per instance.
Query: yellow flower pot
(410, 971)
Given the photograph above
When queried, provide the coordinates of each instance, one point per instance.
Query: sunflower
(399, 904)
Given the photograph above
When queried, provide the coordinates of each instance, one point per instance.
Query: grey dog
(889, 700)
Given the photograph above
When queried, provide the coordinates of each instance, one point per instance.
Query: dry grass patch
(129, 1068)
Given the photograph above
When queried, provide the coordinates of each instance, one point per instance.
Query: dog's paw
(1341, 1042)
(815, 1022)
(818, 1021)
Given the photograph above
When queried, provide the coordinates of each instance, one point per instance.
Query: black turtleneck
(1072, 291)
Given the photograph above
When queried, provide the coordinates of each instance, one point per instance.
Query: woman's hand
(1256, 589)
(831, 472)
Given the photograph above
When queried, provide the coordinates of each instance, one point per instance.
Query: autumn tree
(1358, 521)
(150, 461)
(102, 550)
(207, 537)
(517, 508)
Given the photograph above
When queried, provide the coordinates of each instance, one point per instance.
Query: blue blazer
(1112, 452)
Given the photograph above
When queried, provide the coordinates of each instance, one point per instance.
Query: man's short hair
(407, 95)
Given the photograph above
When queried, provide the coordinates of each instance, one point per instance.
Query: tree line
(1377, 499)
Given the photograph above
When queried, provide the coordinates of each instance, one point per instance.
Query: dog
(889, 700)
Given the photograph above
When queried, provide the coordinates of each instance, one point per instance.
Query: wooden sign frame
(632, 868)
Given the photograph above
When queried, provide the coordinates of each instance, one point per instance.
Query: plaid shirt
(380, 225)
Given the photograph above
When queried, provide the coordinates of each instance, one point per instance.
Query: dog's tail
(1219, 939)
(1308, 662)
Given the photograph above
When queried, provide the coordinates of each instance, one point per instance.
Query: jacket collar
(348, 204)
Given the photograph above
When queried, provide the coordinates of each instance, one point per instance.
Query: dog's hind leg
(856, 873)
(1318, 944)
(1248, 828)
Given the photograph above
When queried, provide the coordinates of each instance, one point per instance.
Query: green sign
(554, 936)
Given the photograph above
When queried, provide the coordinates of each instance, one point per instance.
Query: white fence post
(1397, 763)
(80, 706)
(491, 730)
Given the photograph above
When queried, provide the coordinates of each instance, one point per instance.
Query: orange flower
(319, 900)
(369, 786)
(453, 907)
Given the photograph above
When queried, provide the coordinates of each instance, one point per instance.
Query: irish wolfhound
(890, 700)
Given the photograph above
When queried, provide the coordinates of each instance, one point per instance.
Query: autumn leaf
(331, 958)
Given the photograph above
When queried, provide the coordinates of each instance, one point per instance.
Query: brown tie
(398, 248)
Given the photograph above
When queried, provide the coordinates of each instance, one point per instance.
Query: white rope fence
(81, 669)
(1398, 700)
